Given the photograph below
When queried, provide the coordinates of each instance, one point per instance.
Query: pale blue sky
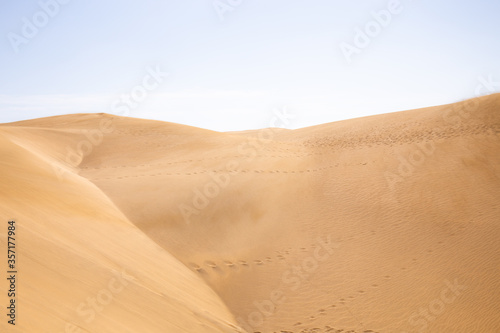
(232, 74)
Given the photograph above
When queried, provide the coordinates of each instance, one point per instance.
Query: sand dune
(387, 223)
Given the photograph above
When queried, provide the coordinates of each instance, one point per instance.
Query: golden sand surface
(388, 223)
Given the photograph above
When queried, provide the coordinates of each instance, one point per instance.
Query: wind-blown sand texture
(389, 223)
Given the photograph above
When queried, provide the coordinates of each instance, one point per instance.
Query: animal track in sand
(211, 264)
(202, 171)
(324, 312)
(242, 171)
(195, 266)
(229, 264)
(182, 162)
(324, 329)
(233, 265)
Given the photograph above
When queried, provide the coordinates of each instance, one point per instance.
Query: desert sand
(388, 223)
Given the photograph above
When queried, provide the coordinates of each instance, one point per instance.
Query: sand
(387, 223)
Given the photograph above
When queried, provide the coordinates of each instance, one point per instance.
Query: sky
(230, 65)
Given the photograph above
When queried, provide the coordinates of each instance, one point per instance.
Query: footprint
(258, 262)
(243, 262)
(195, 266)
(229, 263)
(211, 264)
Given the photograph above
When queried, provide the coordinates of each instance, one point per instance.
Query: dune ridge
(386, 223)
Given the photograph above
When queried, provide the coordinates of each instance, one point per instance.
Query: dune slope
(386, 223)
(82, 266)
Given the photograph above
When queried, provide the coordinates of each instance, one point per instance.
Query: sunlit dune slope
(387, 223)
